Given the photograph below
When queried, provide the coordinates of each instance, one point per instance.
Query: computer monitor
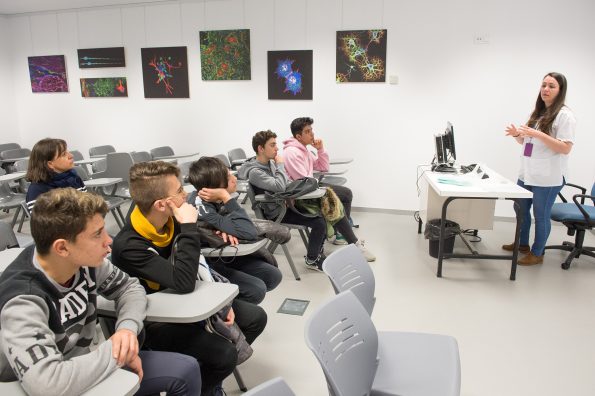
(445, 150)
(449, 144)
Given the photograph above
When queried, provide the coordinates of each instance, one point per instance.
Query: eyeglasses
(180, 191)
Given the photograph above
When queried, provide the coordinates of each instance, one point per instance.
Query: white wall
(8, 121)
(387, 128)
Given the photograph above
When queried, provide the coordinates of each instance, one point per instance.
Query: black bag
(295, 189)
(275, 232)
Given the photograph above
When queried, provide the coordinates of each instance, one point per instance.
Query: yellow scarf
(147, 230)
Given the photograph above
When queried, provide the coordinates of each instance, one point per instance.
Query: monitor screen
(449, 144)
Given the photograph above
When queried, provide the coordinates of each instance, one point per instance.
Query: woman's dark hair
(208, 172)
(298, 125)
(45, 150)
(543, 115)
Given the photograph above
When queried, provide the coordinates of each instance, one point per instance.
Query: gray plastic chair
(141, 156)
(348, 269)
(118, 165)
(7, 237)
(163, 151)
(15, 153)
(357, 360)
(274, 387)
(9, 146)
(11, 200)
(237, 157)
(76, 155)
(99, 151)
(223, 159)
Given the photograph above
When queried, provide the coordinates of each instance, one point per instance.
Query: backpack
(295, 189)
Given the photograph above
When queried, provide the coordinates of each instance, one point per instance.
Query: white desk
(172, 307)
(446, 188)
(175, 156)
(89, 161)
(340, 161)
(102, 182)
(7, 178)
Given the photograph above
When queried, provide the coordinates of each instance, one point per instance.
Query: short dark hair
(298, 125)
(261, 138)
(146, 182)
(63, 213)
(208, 172)
(45, 150)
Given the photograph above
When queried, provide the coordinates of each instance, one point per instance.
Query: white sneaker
(367, 254)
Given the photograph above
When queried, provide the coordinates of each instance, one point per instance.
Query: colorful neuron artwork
(290, 74)
(165, 72)
(48, 73)
(225, 54)
(104, 87)
(91, 58)
(361, 56)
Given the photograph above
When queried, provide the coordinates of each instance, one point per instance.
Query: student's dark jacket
(230, 218)
(139, 257)
(59, 180)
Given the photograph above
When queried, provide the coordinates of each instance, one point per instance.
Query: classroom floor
(533, 336)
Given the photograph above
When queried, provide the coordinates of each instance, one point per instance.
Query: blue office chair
(578, 217)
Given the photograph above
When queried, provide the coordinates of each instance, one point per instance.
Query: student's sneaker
(339, 239)
(219, 391)
(367, 254)
(316, 264)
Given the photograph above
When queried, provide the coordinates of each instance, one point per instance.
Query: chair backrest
(82, 172)
(99, 166)
(593, 193)
(184, 171)
(348, 269)
(163, 151)
(9, 146)
(118, 165)
(76, 155)
(15, 153)
(236, 154)
(343, 338)
(141, 156)
(7, 237)
(223, 159)
(274, 387)
(21, 165)
(101, 150)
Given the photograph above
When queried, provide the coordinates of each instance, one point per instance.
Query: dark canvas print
(361, 56)
(290, 74)
(165, 72)
(48, 73)
(104, 87)
(91, 58)
(225, 54)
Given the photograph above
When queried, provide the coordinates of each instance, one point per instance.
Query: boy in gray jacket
(48, 314)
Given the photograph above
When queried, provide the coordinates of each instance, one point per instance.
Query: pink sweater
(300, 162)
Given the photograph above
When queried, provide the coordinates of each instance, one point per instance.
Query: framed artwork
(91, 58)
(48, 73)
(290, 74)
(225, 54)
(165, 72)
(361, 56)
(104, 87)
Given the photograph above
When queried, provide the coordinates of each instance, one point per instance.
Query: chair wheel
(565, 266)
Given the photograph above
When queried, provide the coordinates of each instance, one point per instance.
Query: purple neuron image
(48, 73)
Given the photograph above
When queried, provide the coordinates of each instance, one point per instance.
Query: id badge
(528, 149)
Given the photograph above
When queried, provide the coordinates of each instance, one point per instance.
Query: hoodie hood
(251, 164)
(293, 142)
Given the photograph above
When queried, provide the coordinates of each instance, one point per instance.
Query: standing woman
(547, 140)
(50, 166)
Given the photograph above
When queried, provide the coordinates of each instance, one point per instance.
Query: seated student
(143, 248)
(301, 162)
(48, 308)
(214, 183)
(50, 166)
(266, 172)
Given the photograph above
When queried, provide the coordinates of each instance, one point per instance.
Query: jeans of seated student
(345, 196)
(317, 227)
(217, 356)
(253, 276)
(173, 373)
(542, 201)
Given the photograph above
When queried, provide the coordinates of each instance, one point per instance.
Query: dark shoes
(522, 248)
(530, 259)
(316, 264)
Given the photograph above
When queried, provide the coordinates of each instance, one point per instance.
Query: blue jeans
(542, 201)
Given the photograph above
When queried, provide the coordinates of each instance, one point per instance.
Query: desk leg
(517, 234)
(441, 240)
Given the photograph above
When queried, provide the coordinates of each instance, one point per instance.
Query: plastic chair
(274, 387)
(76, 155)
(7, 237)
(9, 146)
(223, 159)
(11, 200)
(141, 156)
(578, 217)
(100, 151)
(18, 153)
(163, 151)
(357, 360)
(237, 157)
(118, 165)
(348, 269)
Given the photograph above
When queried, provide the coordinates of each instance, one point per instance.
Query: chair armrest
(583, 190)
(581, 208)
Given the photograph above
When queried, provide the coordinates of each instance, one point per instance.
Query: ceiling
(11, 7)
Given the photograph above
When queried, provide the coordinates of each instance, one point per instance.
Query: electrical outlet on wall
(481, 39)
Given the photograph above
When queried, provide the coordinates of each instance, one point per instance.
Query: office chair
(358, 360)
(578, 217)
(348, 269)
